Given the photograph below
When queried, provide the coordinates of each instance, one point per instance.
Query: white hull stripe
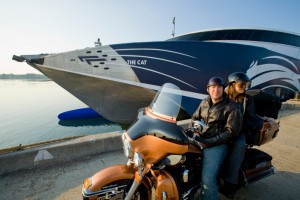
(281, 86)
(149, 49)
(153, 72)
(282, 58)
(155, 58)
(263, 73)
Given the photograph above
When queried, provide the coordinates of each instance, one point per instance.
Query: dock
(57, 170)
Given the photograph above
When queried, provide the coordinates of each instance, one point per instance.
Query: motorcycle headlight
(127, 147)
(138, 160)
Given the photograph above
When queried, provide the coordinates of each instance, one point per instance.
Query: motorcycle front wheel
(119, 189)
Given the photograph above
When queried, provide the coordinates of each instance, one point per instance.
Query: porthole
(72, 59)
(102, 63)
(88, 52)
(113, 59)
(104, 55)
(96, 66)
(99, 51)
(106, 68)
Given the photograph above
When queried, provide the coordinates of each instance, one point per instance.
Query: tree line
(23, 76)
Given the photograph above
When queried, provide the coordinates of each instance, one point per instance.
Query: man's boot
(228, 189)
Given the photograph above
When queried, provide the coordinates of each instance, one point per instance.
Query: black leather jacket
(223, 121)
(251, 122)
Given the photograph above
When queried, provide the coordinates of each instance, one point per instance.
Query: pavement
(285, 150)
(61, 176)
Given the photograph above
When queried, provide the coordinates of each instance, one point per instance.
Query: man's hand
(196, 134)
(189, 133)
(201, 144)
(195, 137)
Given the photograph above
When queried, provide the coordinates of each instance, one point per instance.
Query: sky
(54, 26)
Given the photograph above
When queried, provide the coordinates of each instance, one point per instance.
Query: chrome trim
(260, 175)
(138, 160)
(107, 192)
(164, 196)
(186, 195)
(186, 176)
(132, 190)
(127, 149)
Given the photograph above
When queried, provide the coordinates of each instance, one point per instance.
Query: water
(29, 111)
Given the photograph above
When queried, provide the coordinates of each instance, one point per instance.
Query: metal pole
(173, 33)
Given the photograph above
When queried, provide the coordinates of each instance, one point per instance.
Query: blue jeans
(234, 160)
(212, 160)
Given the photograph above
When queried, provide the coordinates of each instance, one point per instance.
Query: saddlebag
(256, 165)
(266, 134)
(267, 104)
(269, 130)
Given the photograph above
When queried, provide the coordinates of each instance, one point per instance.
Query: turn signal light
(87, 183)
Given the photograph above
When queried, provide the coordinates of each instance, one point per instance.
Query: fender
(94, 184)
(166, 187)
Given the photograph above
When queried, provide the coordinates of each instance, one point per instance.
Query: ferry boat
(116, 80)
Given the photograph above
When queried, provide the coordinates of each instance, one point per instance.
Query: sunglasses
(244, 85)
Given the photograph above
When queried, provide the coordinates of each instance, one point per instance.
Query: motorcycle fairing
(158, 147)
(147, 125)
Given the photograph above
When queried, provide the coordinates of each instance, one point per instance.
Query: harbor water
(29, 111)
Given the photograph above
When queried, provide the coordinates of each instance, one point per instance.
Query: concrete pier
(57, 171)
(60, 152)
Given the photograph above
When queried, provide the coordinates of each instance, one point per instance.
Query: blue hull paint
(199, 61)
(83, 113)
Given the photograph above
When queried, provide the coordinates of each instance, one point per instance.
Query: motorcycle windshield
(167, 101)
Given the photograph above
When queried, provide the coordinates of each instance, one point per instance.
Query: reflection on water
(100, 121)
(29, 111)
(86, 122)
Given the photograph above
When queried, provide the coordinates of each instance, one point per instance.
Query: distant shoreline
(29, 76)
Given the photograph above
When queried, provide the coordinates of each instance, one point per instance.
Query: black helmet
(238, 77)
(216, 81)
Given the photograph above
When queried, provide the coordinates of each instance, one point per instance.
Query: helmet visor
(243, 84)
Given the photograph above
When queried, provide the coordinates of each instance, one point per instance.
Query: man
(222, 120)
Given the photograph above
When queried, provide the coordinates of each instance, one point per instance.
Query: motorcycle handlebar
(196, 143)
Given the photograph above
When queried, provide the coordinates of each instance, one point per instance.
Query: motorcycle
(162, 160)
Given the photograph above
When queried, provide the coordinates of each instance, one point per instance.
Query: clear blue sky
(52, 26)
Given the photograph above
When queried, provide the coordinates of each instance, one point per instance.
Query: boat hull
(113, 100)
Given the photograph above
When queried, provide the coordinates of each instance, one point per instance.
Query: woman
(238, 83)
